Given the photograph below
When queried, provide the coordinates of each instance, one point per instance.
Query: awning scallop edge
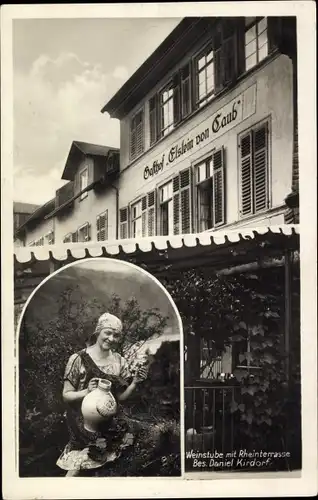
(157, 244)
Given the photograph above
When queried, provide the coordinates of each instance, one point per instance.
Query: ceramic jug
(98, 405)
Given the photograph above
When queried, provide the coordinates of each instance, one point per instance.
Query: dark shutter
(176, 204)
(51, 238)
(144, 216)
(186, 90)
(218, 187)
(102, 226)
(246, 174)
(123, 222)
(176, 99)
(67, 238)
(137, 135)
(240, 46)
(152, 213)
(153, 119)
(185, 193)
(88, 232)
(260, 169)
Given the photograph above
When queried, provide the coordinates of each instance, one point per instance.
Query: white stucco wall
(273, 101)
(87, 209)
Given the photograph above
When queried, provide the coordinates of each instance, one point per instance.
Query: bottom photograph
(99, 374)
(240, 306)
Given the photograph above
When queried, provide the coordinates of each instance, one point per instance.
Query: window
(49, 238)
(204, 75)
(83, 233)
(254, 186)
(170, 105)
(136, 220)
(102, 226)
(242, 354)
(137, 135)
(175, 205)
(143, 216)
(256, 41)
(210, 191)
(74, 237)
(67, 238)
(211, 365)
(123, 222)
(83, 183)
(39, 242)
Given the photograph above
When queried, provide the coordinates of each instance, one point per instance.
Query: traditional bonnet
(110, 321)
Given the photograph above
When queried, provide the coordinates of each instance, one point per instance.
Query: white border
(15, 488)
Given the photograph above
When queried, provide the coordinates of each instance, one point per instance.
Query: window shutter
(123, 221)
(218, 70)
(153, 119)
(246, 174)
(67, 238)
(74, 237)
(51, 238)
(132, 138)
(152, 213)
(186, 90)
(137, 135)
(260, 137)
(102, 226)
(176, 99)
(185, 187)
(194, 84)
(140, 134)
(87, 234)
(218, 188)
(176, 204)
(144, 216)
(240, 46)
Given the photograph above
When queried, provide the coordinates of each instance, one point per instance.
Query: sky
(64, 72)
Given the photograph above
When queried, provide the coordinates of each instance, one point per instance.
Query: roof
(39, 213)
(77, 150)
(221, 249)
(163, 59)
(19, 207)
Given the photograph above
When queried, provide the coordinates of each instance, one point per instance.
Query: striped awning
(219, 248)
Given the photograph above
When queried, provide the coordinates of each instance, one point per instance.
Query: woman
(87, 450)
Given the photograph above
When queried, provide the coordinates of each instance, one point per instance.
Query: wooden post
(288, 311)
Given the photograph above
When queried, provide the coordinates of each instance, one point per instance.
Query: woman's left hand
(141, 375)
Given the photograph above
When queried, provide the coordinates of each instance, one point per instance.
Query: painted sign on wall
(213, 127)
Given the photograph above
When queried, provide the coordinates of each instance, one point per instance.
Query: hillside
(101, 285)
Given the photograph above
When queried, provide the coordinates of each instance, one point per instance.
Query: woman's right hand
(92, 384)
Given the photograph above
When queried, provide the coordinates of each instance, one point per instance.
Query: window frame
(250, 25)
(87, 224)
(49, 235)
(200, 103)
(134, 219)
(81, 172)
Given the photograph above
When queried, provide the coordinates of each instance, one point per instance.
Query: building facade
(86, 207)
(207, 130)
(208, 139)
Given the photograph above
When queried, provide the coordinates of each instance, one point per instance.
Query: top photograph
(192, 128)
